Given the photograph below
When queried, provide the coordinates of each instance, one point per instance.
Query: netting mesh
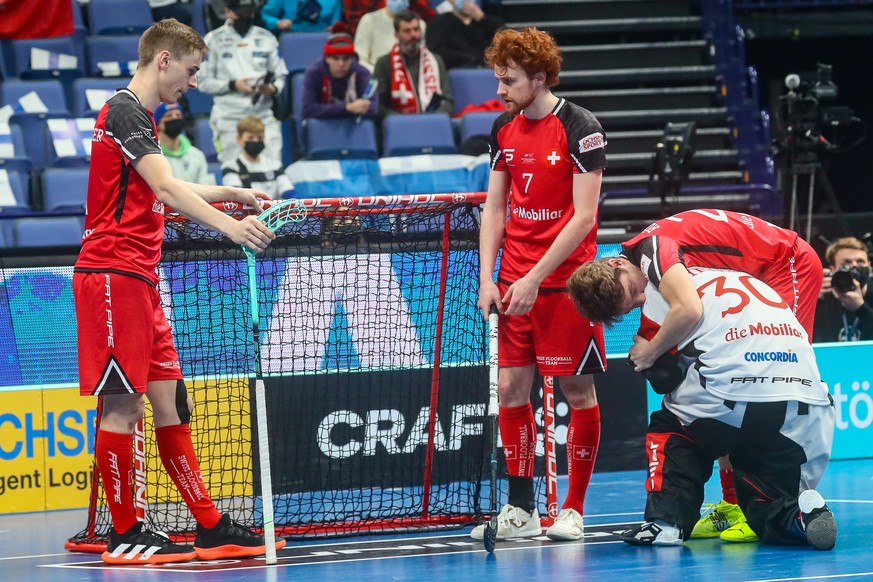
(373, 354)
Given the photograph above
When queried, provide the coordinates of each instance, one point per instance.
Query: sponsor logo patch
(592, 142)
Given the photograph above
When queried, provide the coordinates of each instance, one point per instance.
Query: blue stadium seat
(63, 45)
(110, 49)
(204, 140)
(80, 31)
(117, 17)
(65, 189)
(198, 11)
(301, 49)
(51, 93)
(297, 110)
(199, 103)
(33, 128)
(477, 123)
(68, 142)
(214, 168)
(341, 138)
(47, 231)
(19, 187)
(13, 156)
(472, 86)
(100, 91)
(423, 133)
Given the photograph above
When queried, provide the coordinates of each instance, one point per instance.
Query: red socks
(518, 432)
(728, 492)
(583, 438)
(180, 461)
(115, 463)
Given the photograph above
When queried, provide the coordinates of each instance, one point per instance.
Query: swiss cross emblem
(583, 453)
(551, 158)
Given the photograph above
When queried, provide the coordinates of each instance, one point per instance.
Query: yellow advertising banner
(47, 447)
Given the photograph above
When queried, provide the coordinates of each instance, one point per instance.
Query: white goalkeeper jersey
(233, 57)
(747, 347)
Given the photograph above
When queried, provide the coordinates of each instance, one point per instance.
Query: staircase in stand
(638, 64)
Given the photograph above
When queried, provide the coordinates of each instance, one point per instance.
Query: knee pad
(182, 402)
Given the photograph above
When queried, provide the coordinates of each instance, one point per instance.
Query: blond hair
(250, 124)
(597, 291)
(169, 35)
(848, 242)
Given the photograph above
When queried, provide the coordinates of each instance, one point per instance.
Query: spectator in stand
(181, 11)
(215, 13)
(187, 162)
(337, 85)
(375, 35)
(461, 36)
(300, 15)
(411, 78)
(354, 10)
(243, 73)
(252, 168)
(842, 313)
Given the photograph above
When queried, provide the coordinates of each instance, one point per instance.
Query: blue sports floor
(31, 549)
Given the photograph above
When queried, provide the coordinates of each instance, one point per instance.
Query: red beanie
(339, 44)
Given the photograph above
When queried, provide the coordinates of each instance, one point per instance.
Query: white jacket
(232, 57)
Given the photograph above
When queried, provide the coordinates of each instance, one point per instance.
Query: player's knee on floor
(182, 406)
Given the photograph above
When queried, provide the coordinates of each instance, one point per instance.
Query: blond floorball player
(126, 349)
(547, 160)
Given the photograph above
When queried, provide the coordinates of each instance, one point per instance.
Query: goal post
(374, 360)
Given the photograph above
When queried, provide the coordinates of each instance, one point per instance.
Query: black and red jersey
(541, 156)
(124, 221)
(712, 238)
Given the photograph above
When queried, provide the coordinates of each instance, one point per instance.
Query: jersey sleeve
(132, 129)
(653, 255)
(586, 141)
(498, 161)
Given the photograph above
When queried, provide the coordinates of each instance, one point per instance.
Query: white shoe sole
(559, 533)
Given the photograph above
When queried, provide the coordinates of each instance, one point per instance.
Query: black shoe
(818, 521)
(653, 534)
(229, 539)
(142, 546)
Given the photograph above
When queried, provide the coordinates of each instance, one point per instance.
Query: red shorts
(553, 335)
(798, 282)
(125, 341)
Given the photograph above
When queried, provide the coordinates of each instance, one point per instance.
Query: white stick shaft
(492, 364)
(266, 477)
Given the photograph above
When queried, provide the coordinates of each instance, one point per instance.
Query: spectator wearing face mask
(253, 168)
(243, 72)
(375, 34)
(188, 162)
(354, 10)
(461, 36)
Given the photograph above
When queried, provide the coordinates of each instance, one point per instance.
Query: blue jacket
(313, 86)
(276, 10)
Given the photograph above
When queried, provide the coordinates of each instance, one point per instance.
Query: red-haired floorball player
(126, 347)
(547, 161)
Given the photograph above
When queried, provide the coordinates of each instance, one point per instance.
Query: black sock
(521, 493)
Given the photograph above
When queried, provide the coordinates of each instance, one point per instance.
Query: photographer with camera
(842, 314)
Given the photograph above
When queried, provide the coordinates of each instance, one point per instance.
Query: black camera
(844, 280)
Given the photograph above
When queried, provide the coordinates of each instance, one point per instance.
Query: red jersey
(712, 238)
(124, 221)
(541, 156)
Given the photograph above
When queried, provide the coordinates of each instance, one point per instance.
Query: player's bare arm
(212, 193)
(678, 289)
(491, 234)
(156, 171)
(522, 294)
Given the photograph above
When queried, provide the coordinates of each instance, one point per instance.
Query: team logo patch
(592, 142)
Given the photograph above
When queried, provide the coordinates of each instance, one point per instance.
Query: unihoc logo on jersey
(97, 134)
(774, 356)
(537, 214)
(592, 142)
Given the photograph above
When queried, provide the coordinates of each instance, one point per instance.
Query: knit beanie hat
(339, 43)
(162, 109)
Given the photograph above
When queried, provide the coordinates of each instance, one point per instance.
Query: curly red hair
(531, 49)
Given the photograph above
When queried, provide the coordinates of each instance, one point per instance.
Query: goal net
(373, 353)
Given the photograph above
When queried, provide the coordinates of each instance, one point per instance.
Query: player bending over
(744, 384)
